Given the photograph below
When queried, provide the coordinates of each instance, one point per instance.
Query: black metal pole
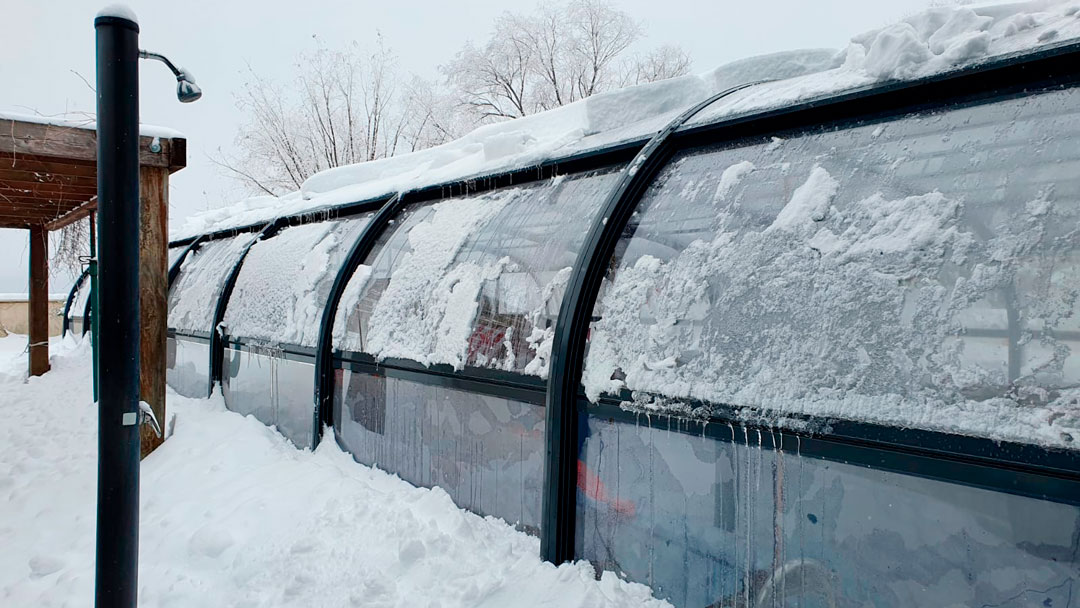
(116, 581)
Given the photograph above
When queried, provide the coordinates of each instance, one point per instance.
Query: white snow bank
(23, 296)
(233, 515)
(86, 121)
(933, 41)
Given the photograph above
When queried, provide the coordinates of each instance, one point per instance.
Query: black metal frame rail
(324, 372)
(66, 325)
(217, 352)
(175, 268)
(559, 509)
(1020, 469)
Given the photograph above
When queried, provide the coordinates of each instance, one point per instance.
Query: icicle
(749, 502)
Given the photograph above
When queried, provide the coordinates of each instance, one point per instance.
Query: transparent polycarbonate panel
(919, 272)
(295, 401)
(194, 294)
(276, 391)
(709, 522)
(187, 366)
(78, 303)
(77, 326)
(247, 384)
(174, 254)
(486, 452)
(479, 279)
(284, 282)
(372, 276)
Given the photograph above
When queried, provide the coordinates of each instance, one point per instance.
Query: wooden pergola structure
(48, 180)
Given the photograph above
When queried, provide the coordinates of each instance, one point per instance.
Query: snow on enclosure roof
(933, 41)
(81, 121)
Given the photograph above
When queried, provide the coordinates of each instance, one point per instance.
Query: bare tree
(343, 107)
(661, 63)
(355, 105)
(557, 55)
(70, 247)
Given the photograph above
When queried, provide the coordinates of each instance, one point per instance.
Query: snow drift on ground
(933, 41)
(234, 515)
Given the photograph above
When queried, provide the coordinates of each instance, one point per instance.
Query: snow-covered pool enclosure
(830, 355)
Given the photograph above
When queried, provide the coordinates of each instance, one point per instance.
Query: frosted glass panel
(284, 282)
(920, 272)
(194, 294)
(475, 280)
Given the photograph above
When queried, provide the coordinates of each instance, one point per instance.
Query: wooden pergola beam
(45, 190)
(60, 204)
(82, 211)
(75, 143)
(22, 177)
(34, 217)
(47, 165)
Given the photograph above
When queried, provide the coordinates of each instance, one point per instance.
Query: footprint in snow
(210, 541)
(43, 565)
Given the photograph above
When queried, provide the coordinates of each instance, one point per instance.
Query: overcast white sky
(47, 45)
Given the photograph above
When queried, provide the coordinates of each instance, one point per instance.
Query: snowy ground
(233, 515)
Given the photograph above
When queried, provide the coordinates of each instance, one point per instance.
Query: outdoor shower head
(186, 89)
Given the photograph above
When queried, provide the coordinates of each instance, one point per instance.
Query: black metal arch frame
(559, 508)
(217, 351)
(324, 370)
(175, 268)
(71, 300)
(1011, 468)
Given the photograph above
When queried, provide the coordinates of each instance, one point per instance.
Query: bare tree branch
(554, 56)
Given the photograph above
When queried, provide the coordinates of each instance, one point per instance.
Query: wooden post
(153, 288)
(39, 301)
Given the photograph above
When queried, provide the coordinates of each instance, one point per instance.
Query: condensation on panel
(194, 294)
(187, 368)
(920, 272)
(485, 452)
(708, 522)
(277, 391)
(284, 282)
(474, 281)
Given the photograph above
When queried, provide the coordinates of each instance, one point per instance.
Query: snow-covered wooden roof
(48, 168)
